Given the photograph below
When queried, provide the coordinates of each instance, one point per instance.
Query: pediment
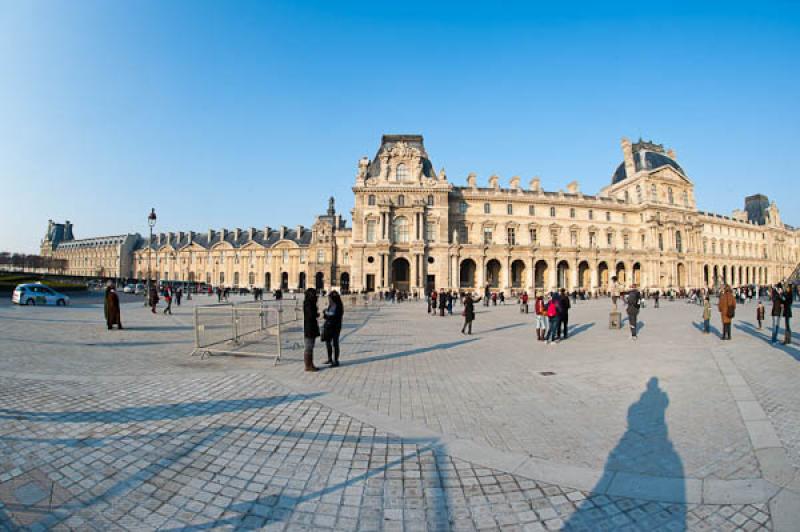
(670, 174)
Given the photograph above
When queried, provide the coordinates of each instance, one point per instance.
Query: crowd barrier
(253, 328)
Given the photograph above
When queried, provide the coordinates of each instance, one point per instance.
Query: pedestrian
(727, 310)
(656, 297)
(468, 313)
(706, 315)
(494, 299)
(178, 295)
(332, 327)
(552, 317)
(434, 297)
(111, 307)
(759, 313)
(523, 302)
(449, 303)
(776, 312)
(502, 297)
(310, 328)
(541, 317)
(442, 301)
(787, 314)
(219, 294)
(153, 299)
(563, 318)
(634, 300)
(168, 301)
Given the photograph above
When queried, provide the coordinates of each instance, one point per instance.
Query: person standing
(310, 328)
(168, 300)
(178, 295)
(727, 310)
(552, 317)
(759, 313)
(442, 302)
(111, 307)
(776, 311)
(634, 301)
(486, 296)
(434, 297)
(563, 318)
(524, 302)
(468, 313)
(153, 299)
(706, 315)
(450, 298)
(332, 327)
(656, 297)
(787, 314)
(541, 317)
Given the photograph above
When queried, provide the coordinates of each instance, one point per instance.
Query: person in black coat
(310, 328)
(634, 300)
(333, 327)
(563, 316)
(787, 313)
(469, 313)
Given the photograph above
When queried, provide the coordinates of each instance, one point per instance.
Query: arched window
(400, 229)
(572, 212)
(553, 212)
(401, 200)
(638, 193)
(430, 200)
(670, 197)
(371, 200)
(402, 173)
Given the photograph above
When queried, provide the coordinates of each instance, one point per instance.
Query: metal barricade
(246, 328)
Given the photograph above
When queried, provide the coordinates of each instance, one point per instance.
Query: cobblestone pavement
(123, 429)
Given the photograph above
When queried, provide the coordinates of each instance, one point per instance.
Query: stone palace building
(412, 228)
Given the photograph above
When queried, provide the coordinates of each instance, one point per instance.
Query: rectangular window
(512, 236)
(236, 278)
(531, 210)
(573, 237)
(487, 235)
(608, 216)
(303, 256)
(487, 208)
(509, 209)
(591, 214)
(626, 241)
(371, 230)
(430, 231)
(609, 239)
(592, 239)
(533, 236)
(320, 256)
(463, 234)
(572, 212)
(554, 238)
(285, 256)
(462, 207)
(660, 242)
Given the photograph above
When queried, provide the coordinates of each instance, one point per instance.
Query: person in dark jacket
(332, 327)
(469, 313)
(788, 299)
(310, 328)
(634, 301)
(153, 299)
(776, 312)
(563, 321)
(442, 301)
(727, 310)
(111, 307)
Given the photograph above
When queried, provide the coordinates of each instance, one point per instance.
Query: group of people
(552, 316)
(780, 297)
(443, 300)
(331, 327)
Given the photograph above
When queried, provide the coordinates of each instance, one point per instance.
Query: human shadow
(504, 327)
(711, 329)
(766, 337)
(154, 412)
(410, 352)
(575, 330)
(644, 449)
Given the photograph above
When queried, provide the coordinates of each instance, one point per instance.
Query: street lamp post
(151, 221)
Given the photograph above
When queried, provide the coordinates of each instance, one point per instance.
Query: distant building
(413, 228)
(105, 256)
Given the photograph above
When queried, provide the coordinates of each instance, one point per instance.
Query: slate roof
(178, 240)
(388, 142)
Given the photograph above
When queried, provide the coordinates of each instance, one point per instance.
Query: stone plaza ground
(420, 428)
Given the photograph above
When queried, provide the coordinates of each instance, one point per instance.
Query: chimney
(169, 237)
(223, 234)
(210, 235)
(536, 184)
(627, 155)
(299, 230)
(266, 232)
(283, 232)
(251, 234)
(190, 237)
(515, 183)
(236, 234)
(180, 237)
(573, 187)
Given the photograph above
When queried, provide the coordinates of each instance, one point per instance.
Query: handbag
(325, 332)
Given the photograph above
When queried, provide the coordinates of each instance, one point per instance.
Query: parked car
(129, 289)
(38, 294)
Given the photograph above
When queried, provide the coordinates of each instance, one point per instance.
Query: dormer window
(402, 173)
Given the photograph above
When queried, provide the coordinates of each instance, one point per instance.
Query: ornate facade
(104, 256)
(412, 228)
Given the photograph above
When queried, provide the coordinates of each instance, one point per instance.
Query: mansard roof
(266, 238)
(95, 242)
(388, 142)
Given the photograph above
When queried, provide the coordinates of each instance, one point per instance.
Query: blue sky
(226, 114)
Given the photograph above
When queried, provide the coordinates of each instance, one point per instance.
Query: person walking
(450, 298)
(168, 300)
(178, 295)
(487, 296)
(563, 318)
(153, 299)
(759, 314)
(552, 317)
(468, 313)
(310, 328)
(787, 314)
(634, 301)
(776, 312)
(332, 327)
(524, 302)
(656, 297)
(111, 307)
(706, 315)
(727, 310)
(541, 317)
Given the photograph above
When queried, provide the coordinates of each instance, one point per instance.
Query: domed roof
(646, 156)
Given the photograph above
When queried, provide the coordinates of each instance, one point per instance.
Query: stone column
(553, 275)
